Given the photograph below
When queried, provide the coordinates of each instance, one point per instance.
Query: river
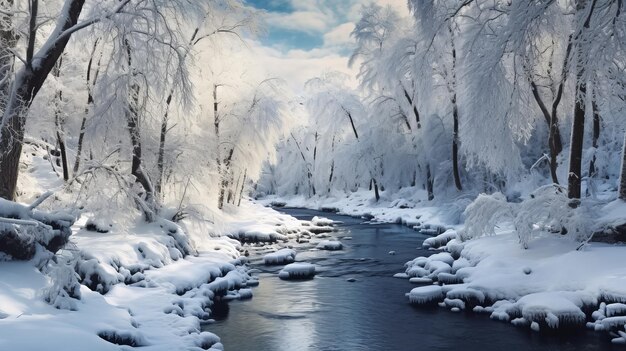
(330, 312)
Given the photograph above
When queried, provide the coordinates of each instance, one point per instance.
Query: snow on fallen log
(298, 270)
(281, 256)
(331, 245)
(23, 228)
(425, 294)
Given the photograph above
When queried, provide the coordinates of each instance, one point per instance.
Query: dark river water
(371, 313)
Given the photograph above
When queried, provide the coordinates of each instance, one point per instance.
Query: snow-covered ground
(143, 291)
(141, 284)
(555, 282)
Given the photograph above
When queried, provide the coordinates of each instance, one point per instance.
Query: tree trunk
(415, 112)
(578, 134)
(376, 193)
(622, 178)
(429, 183)
(455, 117)
(225, 178)
(595, 136)
(332, 165)
(8, 40)
(161, 153)
(134, 130)
(90, 85)
(27, 84)
(455, 145)
(578, 125)
(555, 145)
(356, 135)
(243, 185)
(59, 122)
(308, 169)
(216, 128)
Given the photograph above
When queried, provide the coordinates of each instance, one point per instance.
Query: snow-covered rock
(281, 256)
(331, 245)
(321, 221)
(299, 270)
(425, 294)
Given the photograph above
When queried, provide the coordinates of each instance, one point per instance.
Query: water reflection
(331, 313)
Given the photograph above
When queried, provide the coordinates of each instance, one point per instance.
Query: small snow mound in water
(245, 294)
(280, 257)
(520, 322)
(330, 245)
(322, 221)
(425, 294)
(454, 303)
(401, 275)
(534, 326)
(297, 271)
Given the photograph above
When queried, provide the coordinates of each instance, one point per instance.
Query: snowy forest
(155, 168)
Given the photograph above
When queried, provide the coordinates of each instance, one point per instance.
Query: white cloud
(305, 21)
(298, 66)
(339, 35)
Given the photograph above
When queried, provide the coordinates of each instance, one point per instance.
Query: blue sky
(305, 38)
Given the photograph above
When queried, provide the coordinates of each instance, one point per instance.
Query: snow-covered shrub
(547, 210)
(64, 288)
(550, 210)
(484, 214)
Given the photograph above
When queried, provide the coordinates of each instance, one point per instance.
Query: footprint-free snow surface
(354, 303)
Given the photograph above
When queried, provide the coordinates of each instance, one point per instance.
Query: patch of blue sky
(285, 39)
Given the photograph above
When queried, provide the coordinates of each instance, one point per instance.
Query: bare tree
(36, 65)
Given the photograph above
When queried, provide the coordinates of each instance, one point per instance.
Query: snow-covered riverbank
(137, 286)
(554, 283)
